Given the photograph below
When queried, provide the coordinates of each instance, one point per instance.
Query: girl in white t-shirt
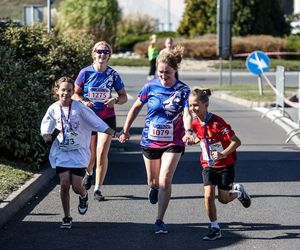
(70, 150)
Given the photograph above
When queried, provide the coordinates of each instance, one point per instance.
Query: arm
(133, 113)
(47, 126)
(188, 138)
(76, 96)
(120, 99)
(234, 144)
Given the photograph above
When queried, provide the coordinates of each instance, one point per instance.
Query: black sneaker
(245, 198)
(83, 204)
(153, 195)
(87, 181)
(98, 196)
(160, 227)
(213, 234)
(66, 223)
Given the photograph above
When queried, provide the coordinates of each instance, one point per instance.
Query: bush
(204, 47)
(31, 61)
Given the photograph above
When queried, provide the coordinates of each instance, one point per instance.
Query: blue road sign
(258, 62)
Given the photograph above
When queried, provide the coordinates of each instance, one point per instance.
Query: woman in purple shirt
(167, 129)
(93, 87)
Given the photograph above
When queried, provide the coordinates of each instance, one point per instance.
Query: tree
(248, 17)
(96, 17)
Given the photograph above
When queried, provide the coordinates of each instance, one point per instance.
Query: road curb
(16, 200)
(264, 107)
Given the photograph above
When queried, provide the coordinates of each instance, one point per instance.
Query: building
(168, 13)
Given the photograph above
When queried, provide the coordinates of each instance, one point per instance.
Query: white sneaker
(245, 198)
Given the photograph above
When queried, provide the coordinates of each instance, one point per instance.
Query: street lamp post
(49, 15)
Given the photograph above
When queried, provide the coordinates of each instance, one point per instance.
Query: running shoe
(160, 227)
(66, 222)
(245, 198)
(213, 234)
(87, 181)
(98, 196)
(153, 195)
(83, 204)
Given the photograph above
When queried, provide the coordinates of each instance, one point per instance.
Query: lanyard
(64, 119)
(205, 135)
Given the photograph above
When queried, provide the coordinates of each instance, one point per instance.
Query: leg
(103, 145)
(169, 163)
(87, 180)
(64, 191)
(77, 177)
(93, 146)
(152, 169)
(226, 196)
(209, 201)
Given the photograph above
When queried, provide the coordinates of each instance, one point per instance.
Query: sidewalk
(10, 206)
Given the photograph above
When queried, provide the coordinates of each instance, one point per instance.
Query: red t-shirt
(218, 135)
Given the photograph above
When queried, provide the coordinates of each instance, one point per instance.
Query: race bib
(68, 142)
(96, 94)
(160, 132)
(213, 147)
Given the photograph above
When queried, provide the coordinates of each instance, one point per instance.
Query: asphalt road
(267, 167)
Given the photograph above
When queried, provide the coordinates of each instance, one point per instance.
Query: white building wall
(162, 10)
(296, 6)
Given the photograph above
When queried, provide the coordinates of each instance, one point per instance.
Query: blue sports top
(164, 120)
(97, 87)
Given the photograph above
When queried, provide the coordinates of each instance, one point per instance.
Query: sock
(97, 187)
(239, 194)
(215, 224)
(91, 173)
(84, 196)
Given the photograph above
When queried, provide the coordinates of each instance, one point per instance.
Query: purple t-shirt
(97, 86)
(164, 120)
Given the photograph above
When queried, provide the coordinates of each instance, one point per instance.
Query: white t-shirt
(77, 129)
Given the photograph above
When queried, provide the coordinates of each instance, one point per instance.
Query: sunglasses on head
(102, 51)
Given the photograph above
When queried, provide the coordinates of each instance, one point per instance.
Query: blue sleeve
(143, 94)
(118, 83)
(186, 97)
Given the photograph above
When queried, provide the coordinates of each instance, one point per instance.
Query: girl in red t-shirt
(218, 145)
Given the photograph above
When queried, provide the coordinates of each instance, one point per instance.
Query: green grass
(290, 65)
(12, 176)
(129, 62)
(251, 92)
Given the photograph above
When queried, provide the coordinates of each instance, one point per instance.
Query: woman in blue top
(93, 87)
(167, 129)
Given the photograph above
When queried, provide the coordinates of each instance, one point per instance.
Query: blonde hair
(201, 94)
(173, 57)
(59, 82)
(105, 44)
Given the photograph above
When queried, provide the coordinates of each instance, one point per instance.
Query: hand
(217, 155)
(123, 137)
(88, 104)
(110, 102)
(47, 138)
(188, 139)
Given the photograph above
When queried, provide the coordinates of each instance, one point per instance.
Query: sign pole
(260, 88)
(220, 69)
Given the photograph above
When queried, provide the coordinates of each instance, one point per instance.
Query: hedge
(31, 60)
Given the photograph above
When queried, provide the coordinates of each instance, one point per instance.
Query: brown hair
(202, 94)
(172, 58)
(58, 82)
(105, 44)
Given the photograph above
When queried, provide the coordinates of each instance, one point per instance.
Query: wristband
(189, 130)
